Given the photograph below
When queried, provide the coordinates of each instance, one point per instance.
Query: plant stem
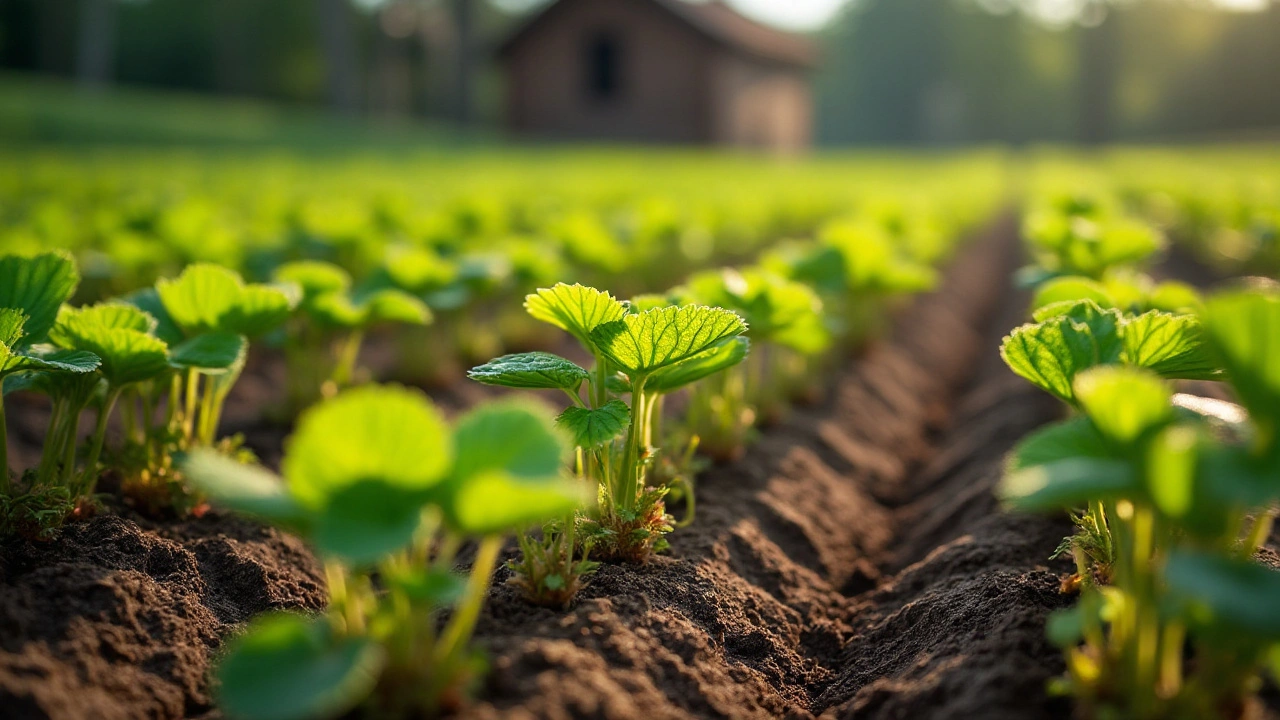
(348, 355)
(175, 393)
(458, 631)
(632, 470)
(52, 441)
(90, 481)
(207, 405)
(189, 407)
(600, 385)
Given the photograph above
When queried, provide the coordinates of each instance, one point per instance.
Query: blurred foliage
(983, 70)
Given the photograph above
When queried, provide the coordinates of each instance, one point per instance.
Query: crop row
(1223, 204)
(1172, 494)
(389, 493)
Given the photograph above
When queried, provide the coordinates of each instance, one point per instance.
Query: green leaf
(509, 471)
(1067, 483)
(591, 428)
(242, 488)
(1171, 470)
(1243, 330)
(1175, 297)
(1238, 594)
(652, 340)
(287, 667)
(514, 436)
(148, 300)
(11, 322)
(1074, 438)
(1071, 289)
(530, 370)
(1049, 354)
(199, 298)
(314, 277)
(119, 335)
(364, 522)
(777, 310)
(45, 359)
(1124, 403)
(394, 306)
(209, 352)
(721, 356)
(37, 286)
(388, 305)
(371, 433)
(208, 298)
(258, 310)
(1171, 345)
(576, 309)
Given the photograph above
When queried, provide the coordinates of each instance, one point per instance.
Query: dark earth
(855, 564)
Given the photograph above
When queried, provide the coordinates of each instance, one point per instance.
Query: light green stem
(463, 621)
(90, 482)
(189, 407)
(348, 356)
(632, 470)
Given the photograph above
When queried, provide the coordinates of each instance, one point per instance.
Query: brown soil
(853, 565)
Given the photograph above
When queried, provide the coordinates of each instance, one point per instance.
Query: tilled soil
(853, 565)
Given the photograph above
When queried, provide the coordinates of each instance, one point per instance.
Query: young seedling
(206, 316)
(656, 351)
(31, 292)
(786, 321)
(1174, 619)
(332, 323)
(383, 489)
(1085, 239)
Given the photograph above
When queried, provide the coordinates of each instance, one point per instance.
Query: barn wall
(664, 72)
(760, 105)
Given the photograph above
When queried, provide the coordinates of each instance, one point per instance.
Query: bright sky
(813, 14)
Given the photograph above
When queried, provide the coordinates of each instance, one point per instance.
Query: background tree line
(903, 72)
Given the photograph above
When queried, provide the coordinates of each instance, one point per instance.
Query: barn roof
(719, 22)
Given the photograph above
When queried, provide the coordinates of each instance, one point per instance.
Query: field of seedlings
(592, 433)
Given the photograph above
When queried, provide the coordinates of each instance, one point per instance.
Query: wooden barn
(660, 71)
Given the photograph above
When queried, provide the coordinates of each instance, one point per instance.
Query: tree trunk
(95, 54)
(1099, 57)
(232, 69)
(464, 80)
(338, 44)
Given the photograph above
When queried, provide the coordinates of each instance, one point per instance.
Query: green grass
(41, 111)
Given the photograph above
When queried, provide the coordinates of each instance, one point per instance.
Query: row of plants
(390, 514)
(742, 345)
(469, 235)
(161, 361)
(390, 496)
(1222, 204)
(1172, 494)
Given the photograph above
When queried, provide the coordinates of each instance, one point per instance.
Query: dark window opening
(604, 67)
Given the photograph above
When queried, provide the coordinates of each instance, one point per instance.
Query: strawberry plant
(786, 322)
(1173, 497)
(388, 495)
(641, 354)
(332, 325)
(206, 315)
